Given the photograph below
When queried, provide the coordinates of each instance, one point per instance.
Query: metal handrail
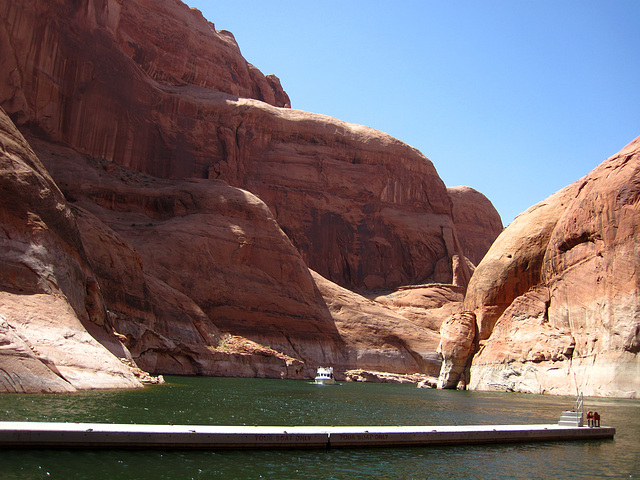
(579, 403)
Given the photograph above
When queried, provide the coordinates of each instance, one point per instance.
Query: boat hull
(324, 381)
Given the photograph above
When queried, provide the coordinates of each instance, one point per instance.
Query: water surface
(230, 401)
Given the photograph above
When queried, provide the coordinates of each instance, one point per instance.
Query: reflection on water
(279, 402)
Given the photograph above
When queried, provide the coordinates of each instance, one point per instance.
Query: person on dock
(596, 419)
(590, 418)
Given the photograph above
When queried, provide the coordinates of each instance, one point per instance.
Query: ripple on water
(277, 402)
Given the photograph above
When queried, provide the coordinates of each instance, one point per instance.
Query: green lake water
(234, 401)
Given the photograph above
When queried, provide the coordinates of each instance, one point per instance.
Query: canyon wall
(473, 215)
(162, 204)
(48, 295)
(180, 261)
(113, 81)
(198, 199)
(556, 298)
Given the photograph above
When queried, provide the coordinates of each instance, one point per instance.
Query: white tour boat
(324, 376)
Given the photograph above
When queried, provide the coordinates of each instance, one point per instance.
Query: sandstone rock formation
(477, 222)
(376, 338)
(426, 306)
(457, 337)
(359, 375)
(240, 274)
(413, 301)
(557, 295)
(513, 264)
(364, 209)
(183, 260)
(196, 204)
(47, 295)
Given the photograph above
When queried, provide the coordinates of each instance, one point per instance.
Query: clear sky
(515, 98)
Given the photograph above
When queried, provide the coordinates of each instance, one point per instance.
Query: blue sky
(516, 98)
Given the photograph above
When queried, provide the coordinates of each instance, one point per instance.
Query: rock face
(197, 201)
(164, 40)
(457, 336)
(377, 338)
(47, 295)
(364, 209)
(477, 221)
(424, 305)
(513, 264)
(183, 260)
(557, 295)
(240, 274)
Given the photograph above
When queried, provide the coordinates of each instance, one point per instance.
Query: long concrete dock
(99, 435)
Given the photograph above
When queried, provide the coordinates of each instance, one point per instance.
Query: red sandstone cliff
(474, 216)
(200, 201)
(556, 298)
(112, 80)
(48, 293)
(181, 260)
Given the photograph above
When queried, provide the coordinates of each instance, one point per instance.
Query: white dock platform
(100, 435)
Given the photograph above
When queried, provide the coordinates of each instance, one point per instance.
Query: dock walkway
(100, 435)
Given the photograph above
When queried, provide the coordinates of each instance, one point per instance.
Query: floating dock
(100, 435)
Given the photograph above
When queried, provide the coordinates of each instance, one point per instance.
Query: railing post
(579, 406)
